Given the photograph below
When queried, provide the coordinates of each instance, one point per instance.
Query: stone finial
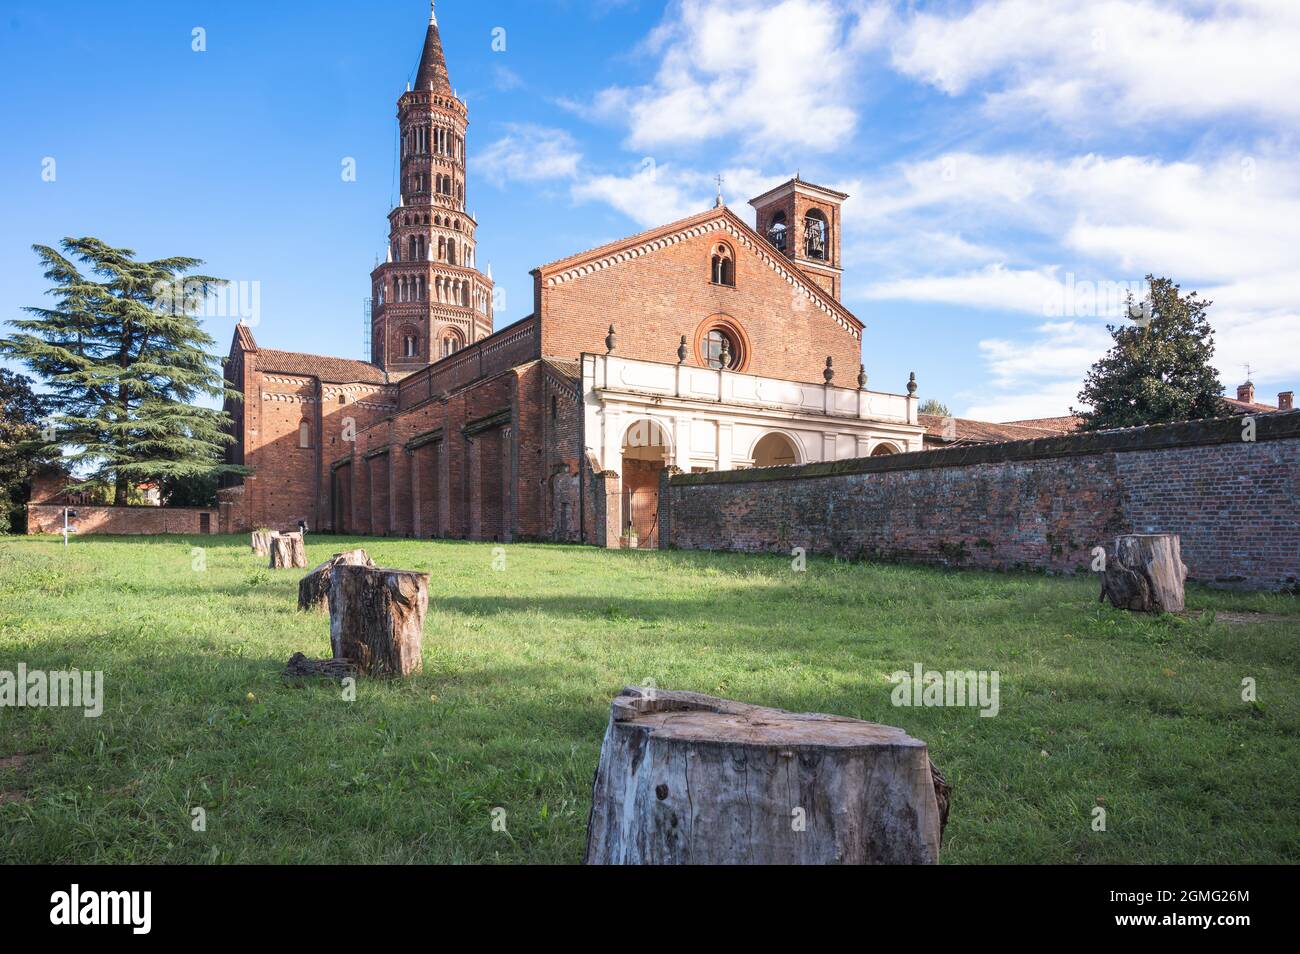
(911, 384)
(862, 377)
(725, 357)
(829, 372)
(681, 351)
(611, 340)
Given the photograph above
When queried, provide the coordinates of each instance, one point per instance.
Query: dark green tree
(1158, 369)
(935, 407)
(22, 412)
(124, 357)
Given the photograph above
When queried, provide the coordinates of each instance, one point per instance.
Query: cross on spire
(433, 15)
(719, 180)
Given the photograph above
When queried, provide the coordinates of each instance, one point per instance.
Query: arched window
(776, 231)
(555, 407)
(451, 342)
(724, 265)
(816, 234)
(880, 450)
(304, 434)
(410, 346)
(451, 251)
(414, 246)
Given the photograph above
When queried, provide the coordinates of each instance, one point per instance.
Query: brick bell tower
(802, 221)
(429, 298)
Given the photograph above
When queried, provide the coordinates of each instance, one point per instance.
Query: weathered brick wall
(48, 518)
(1028, 504)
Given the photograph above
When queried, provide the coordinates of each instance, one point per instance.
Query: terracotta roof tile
(1059, 425)
(966, 431)
(334, 370)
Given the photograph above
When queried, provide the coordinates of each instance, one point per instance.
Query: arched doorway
(646, 451)
(774, 450)
(880, 450)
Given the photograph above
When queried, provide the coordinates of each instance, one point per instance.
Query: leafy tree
(199, 490)
(124, 356)
(21, 414)
(935, 407)
(1158, 369)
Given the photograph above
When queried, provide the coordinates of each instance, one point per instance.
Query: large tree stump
(377, 619)
(686, 778)
(288, 550)
(1146, 573)
(314, 588)
(261, 542)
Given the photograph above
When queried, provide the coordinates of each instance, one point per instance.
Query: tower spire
(432, 72)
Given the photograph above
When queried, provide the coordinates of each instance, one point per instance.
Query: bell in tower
(801, 221)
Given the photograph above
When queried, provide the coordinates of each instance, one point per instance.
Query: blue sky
(1014, 166)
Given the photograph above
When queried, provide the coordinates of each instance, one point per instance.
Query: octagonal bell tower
(429, 297)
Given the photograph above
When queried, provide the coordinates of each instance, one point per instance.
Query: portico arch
(883, 448)
(774, 449)
(646, 451)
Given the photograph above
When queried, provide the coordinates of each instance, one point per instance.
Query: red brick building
(702, 344)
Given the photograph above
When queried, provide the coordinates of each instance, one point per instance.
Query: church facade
(702, 344)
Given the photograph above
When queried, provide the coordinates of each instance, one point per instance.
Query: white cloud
(1226, 225)
(1113, 62)
(529, 153)
(657, 193)
(746, 69)
(652, 195)
(994, 286)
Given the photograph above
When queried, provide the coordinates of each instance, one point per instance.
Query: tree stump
(377, 619)
(261, 542)
(314, 588)
(288, 550)
(686, 778)
(1146, 574)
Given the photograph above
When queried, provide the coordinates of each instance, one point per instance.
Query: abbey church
(702, 344)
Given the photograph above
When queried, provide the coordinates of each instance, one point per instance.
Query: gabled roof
(333, 370)
(641, 243)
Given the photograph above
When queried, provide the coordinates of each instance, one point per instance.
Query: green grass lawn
(1141, 715)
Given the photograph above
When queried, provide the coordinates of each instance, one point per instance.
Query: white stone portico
(707, 419)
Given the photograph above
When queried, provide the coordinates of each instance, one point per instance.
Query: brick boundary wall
(48, 518)
(1040, 504)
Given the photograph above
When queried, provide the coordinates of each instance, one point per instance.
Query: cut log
(288, 550)
(377, 619)
(261, 542)
(300, 667)
(1146, 573)
(686, 778)
(314, 588)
